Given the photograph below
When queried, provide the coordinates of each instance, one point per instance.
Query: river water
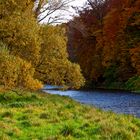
(116, 101)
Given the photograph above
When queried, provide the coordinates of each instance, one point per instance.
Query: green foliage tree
(133, 83)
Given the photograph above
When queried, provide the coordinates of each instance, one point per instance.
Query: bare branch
(52, 8)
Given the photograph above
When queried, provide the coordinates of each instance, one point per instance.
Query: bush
(9, 68)
(15, 72)
(26, 76)
(73, 76)
(133, 83)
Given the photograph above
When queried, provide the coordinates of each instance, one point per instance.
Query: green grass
(36, 116)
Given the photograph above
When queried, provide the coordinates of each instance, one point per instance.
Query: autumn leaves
(109, 52)
(30, 52)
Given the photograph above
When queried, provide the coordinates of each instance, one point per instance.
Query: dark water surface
(118, 101)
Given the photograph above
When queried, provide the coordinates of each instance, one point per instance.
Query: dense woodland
(105, 40)
(32, 54)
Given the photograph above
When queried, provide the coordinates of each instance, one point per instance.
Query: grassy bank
(36, 116)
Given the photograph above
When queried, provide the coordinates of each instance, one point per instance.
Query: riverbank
(26, 115)
(132, 85)
(105, 88)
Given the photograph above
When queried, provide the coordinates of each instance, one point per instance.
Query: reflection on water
(119, 102)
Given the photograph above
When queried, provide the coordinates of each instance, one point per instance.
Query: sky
(78, 2)
(71, 13)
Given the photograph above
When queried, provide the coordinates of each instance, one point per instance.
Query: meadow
(26, 115)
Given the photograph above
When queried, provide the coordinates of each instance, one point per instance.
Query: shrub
(15, 72)
(133, 83)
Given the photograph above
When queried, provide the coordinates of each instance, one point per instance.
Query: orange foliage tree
(107, 47)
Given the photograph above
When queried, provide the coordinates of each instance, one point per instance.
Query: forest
(105, 40)
(33, 54)
(99, 48)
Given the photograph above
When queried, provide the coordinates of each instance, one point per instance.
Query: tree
(54, 66)
(104, 39)
(16, 72)
(120, 36)
(19, 29)
(86, 39)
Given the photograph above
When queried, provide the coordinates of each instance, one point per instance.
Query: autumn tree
(19, 29)
(37, 48)
(117, 39)
(16, 72)
(105, 42)
(86, 39)
(54, 66)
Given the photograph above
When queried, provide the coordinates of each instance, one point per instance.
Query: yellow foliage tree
(19, 29)
(54, 66)
(16, 72)
(33, 48)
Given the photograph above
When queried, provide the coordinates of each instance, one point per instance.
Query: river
(116, 101)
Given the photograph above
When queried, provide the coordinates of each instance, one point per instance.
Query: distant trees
(117, 35)
(86, 40)
(107, 47)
